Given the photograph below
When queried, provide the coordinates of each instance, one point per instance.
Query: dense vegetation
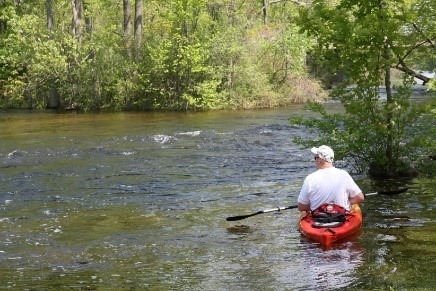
(387, 135)
(172, 55)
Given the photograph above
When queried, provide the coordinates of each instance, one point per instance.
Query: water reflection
(332, 268)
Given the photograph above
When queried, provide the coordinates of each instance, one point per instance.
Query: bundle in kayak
(331, 230)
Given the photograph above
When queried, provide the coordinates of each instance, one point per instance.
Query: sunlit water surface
(139, 201)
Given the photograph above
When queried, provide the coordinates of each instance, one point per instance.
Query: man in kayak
(328, 184)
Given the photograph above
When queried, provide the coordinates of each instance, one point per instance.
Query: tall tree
(50, 16)
(77, 11)
(53, 94)
(138, 24)
(365, 39)
(127, 26)
(127, 18)
(265, 11)
(2, 21)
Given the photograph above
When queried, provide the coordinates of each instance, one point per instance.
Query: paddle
(393, 192)
(240, 217)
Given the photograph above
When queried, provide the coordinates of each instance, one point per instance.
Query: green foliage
(358, 135)
(432, 85)
(425, 131)
(194, 55)
(175, 73)
(365, 39)
(29, 60)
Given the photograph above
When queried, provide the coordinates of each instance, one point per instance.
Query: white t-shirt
(328, 185)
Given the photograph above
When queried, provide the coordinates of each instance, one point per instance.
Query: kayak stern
(328, 235)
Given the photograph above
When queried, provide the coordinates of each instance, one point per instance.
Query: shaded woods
(135, 55)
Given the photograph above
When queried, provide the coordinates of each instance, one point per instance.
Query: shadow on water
(139, 201)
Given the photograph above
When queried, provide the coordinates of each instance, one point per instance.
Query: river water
(138, 201)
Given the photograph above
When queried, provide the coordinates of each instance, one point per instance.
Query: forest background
(161, 55)
(135, 55)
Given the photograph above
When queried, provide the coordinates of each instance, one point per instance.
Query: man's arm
(359, 198)
(303, 207)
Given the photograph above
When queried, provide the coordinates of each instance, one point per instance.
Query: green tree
(365, 40)
(259, 54)
(175, 72)
(29, 58)
(178, 55)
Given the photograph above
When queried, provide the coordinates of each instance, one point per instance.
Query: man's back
(329, 185)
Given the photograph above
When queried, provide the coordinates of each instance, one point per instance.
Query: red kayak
(328, 233)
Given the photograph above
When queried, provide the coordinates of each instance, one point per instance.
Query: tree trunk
(412, 73)
(389, 100)
(389, 114)
(231, 68)
(53, 94)
(50, 17)
(89, 21)
(127, 22)
(138, 24)
(264, 11)
(3, 23)
(127, 26)
(77, 19)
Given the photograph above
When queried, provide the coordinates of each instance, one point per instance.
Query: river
(138, 201)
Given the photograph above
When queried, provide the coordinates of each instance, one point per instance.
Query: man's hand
(303, 207)
(359, 198)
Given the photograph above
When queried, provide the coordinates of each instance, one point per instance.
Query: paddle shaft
(393, 192)
(240, 217)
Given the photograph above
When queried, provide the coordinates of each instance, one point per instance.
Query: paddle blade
(235, 218)
(393, 192)
(240, 217)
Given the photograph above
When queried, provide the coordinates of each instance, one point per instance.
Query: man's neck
(325, 165)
